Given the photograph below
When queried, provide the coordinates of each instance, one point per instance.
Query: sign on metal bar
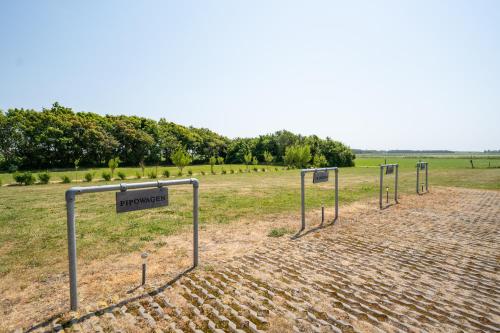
(389, 169)
(127, 201)
(320, 176)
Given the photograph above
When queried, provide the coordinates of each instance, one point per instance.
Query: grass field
(33, 220)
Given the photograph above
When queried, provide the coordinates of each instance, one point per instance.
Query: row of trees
(57, 137)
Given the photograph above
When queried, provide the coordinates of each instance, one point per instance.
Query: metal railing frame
(303, 173)
(396, 175)
(419, 164)
(70, 209)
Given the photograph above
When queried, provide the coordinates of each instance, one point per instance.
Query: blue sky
(373, 74)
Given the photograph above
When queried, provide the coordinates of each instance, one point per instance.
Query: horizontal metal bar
(318, 169)
(386, 165)
(127, 186)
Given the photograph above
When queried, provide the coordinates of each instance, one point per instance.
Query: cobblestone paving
(433, 267)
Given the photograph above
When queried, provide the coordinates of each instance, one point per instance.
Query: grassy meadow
(33, 218)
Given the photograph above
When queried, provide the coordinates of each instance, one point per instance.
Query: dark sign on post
(422, 166)
(389, 169)
(320, 176)
(128, 201)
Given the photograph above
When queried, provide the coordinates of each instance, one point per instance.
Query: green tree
(212, 162)
(297, 156)
(268, 157)
(181, 159)
(248, 159)
(319, 161)
(113, 164)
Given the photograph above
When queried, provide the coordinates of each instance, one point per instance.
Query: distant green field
(33, 218)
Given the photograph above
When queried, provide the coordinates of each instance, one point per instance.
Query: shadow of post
(110, 308)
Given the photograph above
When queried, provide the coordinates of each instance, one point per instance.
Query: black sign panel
(128, 201)
(320, 176)
(389, 169)
(422, 166)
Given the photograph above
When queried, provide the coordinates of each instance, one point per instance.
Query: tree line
(58, 137)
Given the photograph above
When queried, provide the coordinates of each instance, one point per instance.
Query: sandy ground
(430, 263)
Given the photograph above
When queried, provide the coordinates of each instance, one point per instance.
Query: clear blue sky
(374, 74)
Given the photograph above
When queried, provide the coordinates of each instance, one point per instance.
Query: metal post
(396, 184)
(143, 274)
(70, 210)
(336, 194)
(418, 176)
(302, 200)
(195, 222)
(381, 185)
(322, 213)
(427, 177)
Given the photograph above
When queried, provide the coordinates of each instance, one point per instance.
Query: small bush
(190, 172)
(255, 169)
(278, 232)
(166, 173)
(203, 173)
(138, 175)
(231, 171)
(88, 177)
(106, 176)
(179, 173)
(152, 174)
(44, 178)
(276, 169)
(214, 173)
(241, 171)
(263, 169)
(25, 178)
(122, 175)
(224, 172)
(65, 179)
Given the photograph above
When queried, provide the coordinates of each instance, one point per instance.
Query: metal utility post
(396, 183)
(303, 200)
(122, 189)
(381, 185)
(420, 184)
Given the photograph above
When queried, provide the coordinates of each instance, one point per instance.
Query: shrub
(276, 169)
(44, 177)
(203, 173)
(106, 176)
(181, 159)
(255, 169)
(223, 172)
(190, 172)
(166, 173)
(122, 175)
(278, 232)
(25, 178)
(179, 173)
(113, 164)
(152, 174)
(231, 171)
(89, 176)
(138, 175)
(18, 177)
(263, 169)
(297, 156)
(241, 171)
(65, 179)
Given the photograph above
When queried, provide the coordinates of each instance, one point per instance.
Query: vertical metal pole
(302, 200)
(195, 223)
(143, 274)
(70, 210)
(418, 174)
(336, 194)
(427, 177)
(396, 184)
(381, 185)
